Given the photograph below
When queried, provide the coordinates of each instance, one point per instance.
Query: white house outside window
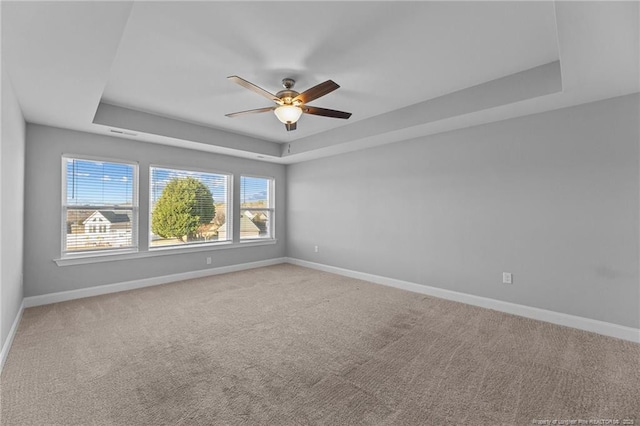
(99, 206)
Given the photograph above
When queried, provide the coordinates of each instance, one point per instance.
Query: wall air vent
(123, 132)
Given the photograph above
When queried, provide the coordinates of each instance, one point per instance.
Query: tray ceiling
(406, 69)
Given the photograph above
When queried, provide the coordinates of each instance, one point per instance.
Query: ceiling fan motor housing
(287, 96)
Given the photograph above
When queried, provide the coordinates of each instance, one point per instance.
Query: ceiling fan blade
(316, 91)
(248, 85)
(251, 111)
(290, 126)
(326, 112)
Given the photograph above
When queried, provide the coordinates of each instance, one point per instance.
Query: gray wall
(552, 198)
(11, 215)
(44, 148)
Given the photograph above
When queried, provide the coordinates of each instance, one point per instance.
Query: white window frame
(270, 209)
(66, 254)
(228, 213)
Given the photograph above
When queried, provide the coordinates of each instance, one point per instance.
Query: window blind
(187, 207)
(256, 207)
(99, 210)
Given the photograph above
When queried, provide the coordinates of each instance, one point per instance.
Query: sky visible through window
(99, 183)
(253, 190)
(217, 184)
(103, 183)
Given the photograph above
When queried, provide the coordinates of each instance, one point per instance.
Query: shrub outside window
(188, 208)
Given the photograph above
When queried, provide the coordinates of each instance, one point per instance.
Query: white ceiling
(171, 60)
(174, 58)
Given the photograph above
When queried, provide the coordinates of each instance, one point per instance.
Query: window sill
(155, 252)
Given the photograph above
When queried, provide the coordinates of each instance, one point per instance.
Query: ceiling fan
(290, 105)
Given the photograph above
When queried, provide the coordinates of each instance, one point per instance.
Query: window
(188, 208)
(256, 208)
(99, 206)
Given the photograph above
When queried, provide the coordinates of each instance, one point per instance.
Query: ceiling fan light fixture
(288, 114)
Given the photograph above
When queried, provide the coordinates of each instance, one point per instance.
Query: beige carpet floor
(285, 345)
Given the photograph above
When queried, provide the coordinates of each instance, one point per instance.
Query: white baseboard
(587, 324)
(63, 296)
(12, 333)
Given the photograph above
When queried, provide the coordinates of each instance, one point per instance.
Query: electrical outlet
(208, 261)
(315, 249)
(507, 278)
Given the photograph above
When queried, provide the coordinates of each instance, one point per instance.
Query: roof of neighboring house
(78, 216)
(246, 225)
(116, 217)
(113, 216)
